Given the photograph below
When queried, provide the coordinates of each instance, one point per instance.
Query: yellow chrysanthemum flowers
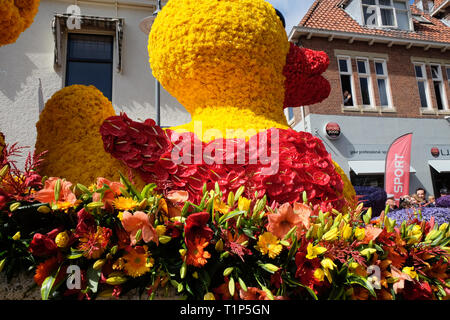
(15, 17)
(223, 61)
(68, 128)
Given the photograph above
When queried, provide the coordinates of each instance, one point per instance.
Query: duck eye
(280, 15)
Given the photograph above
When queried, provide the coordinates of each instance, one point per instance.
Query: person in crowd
(392, 205)
(444, 192)
(405, 202)
(431, 201)
(421, 195)
(414, 201)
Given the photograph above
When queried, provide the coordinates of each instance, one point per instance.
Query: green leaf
(230, 215)
(147, 189)
(93, 277)
(248, 233)
(362, 282)
(47, 285)
(130, 186)
(310, 291)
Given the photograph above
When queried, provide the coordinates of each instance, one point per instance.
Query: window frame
(368, 76)
(385, 76)
(443, 90)
(447, 73)
(349, 72)
(424, 79)
(290, 120)
(68, 59)
(377, 6)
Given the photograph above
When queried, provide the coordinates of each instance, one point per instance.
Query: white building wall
(31, 58)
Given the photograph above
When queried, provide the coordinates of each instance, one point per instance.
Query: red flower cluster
(43, 245)
(138, 145)
(277, 162)
(304, 84)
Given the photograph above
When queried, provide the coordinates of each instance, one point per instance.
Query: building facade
(390, 75)
(95, 42)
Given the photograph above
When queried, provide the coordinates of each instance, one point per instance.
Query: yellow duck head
(223, 60)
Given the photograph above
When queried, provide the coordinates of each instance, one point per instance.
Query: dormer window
(386, 13)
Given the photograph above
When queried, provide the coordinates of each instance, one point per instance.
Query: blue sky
(293, 10)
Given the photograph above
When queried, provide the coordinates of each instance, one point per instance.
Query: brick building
(390, 74)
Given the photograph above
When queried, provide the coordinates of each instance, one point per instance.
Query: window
(386, 13)
(289, 113)
(90, 61)
(383, 84)
(422, 84)
(346, 75)
(438, 85)
(365, 82)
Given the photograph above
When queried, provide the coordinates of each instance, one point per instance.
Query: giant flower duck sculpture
(229, 63)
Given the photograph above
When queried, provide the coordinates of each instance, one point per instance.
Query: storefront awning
(440, 165)
(370, 167)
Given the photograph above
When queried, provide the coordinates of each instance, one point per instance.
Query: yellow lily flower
(331, 235)
(16, 236)
(244, 204)
(314, 251)
(328, 264)
(347, 232)
(319, 274)
(410, 272)
(360, 234)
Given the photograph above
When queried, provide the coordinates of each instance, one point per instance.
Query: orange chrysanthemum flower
(125, 203)
(44, 269)
(196, 255)
(138, 261)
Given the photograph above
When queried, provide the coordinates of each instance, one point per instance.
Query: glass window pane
(419, 73)
(385, 2)
(362, 67)
(346, 90)
(383, 92)
(343, 67)
(364, 83)
(96, 74)
(400, 5)
(387, 17)
(448, 73)
(403, 20)
(290, 113)
(435, 72)
(438, 91)
(379, 68)
(368, 1)
(422, 93)
(92, 47)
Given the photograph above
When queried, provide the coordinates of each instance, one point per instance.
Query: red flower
(43, 245)
(3, 199)
(304, 84)
(196, 227)
(86, 223)
(168, 159)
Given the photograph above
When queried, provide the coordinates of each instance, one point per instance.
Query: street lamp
(146, 25)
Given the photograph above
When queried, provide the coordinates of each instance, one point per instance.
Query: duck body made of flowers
(229, 63)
